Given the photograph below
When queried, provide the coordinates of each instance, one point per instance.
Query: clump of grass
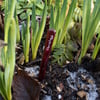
(8, 53)
(37, 31)
(89, 24)
(59, 21)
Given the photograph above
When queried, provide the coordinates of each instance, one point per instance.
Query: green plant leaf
(97, 47)
(89, 25)
(38, 31)
(67, 20)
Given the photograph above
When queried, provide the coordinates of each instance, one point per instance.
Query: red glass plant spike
(48, 45)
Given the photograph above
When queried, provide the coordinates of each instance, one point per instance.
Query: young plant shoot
(97, 47)
(8, 60)
(26, 38)
(89, 24)
(37, 30)
(17, 27)
(47, 50)
(9, 13)
(97, 44)
(8, 53)
(59, 21)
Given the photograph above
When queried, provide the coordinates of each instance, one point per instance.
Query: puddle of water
(75, 79)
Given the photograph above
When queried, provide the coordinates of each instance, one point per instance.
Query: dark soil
(56, 77)
(55, 84)
(97, 79)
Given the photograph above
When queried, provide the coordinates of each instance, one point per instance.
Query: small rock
(82, 94)
(83, 77)
(60, 87)
(90, 81)
(42, 85)
(59, 96)
(67, 62)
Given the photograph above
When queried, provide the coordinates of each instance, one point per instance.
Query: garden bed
(68, 82)
(71, 82)
(51, 50)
